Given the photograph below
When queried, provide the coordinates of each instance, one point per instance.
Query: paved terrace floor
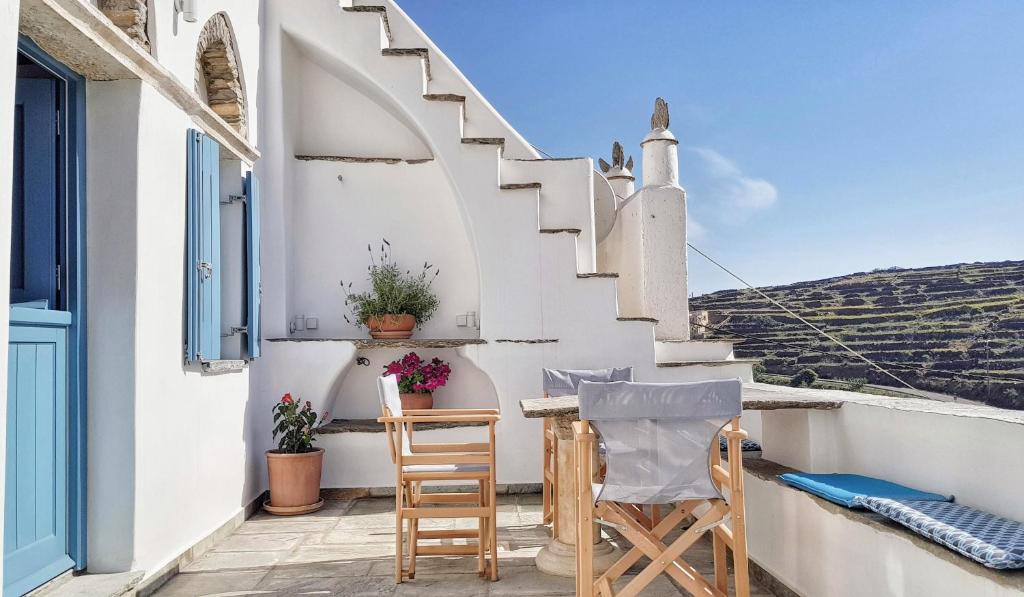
(347, 548)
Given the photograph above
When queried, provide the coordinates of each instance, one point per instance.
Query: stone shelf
(370, 343)
(372, 426)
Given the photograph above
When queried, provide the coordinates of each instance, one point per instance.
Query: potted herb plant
(295, 467)
(397, 301)
(417, 379)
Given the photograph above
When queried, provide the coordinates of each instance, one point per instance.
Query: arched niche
(219, 79)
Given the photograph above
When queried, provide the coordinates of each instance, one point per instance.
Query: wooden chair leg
(482, 533)
(737, 509)
(584, 520)
(493, 503)
(413, 501)
(399, 530)
(545, 479)
(718, 549)
(554, 487)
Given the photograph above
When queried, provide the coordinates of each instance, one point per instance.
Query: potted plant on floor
(397, 301)
(417, 379)
(295, 467)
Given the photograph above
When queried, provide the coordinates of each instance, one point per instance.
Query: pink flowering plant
(296, 424)
(417, 376)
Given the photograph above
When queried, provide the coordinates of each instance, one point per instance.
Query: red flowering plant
(417, 376)
(296, 424)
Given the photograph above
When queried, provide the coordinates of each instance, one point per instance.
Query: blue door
(35, 506)
(34, 193)
(36, 501)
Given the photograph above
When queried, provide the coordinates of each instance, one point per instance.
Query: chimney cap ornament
(618, 160)
(659, 120)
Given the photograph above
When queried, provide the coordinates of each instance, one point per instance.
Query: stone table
(559, 556)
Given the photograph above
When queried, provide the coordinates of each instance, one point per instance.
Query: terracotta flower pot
(417, 401)
(294, 480)
(391, 326)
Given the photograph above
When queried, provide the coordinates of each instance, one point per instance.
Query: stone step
(382, 11)
(372, 426)
(692, 350)
(483, 140)
(597, 275)
(422, 53)
(708, 363)
(444, 97)
(360, 159)
(560, 231)
(514, 186)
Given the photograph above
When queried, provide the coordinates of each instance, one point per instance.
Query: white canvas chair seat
(446, 468)
(662, 447)
(565, 382)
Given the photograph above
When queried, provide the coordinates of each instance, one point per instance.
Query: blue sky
(816, 138)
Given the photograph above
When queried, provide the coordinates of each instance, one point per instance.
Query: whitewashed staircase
(531, 218)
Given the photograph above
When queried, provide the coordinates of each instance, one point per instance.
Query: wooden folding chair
(656, 435)
(416, 464)
(564, 382)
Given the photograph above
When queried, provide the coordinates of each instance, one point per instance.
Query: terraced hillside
(957, 329)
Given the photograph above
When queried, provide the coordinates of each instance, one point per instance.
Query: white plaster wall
(337, 119)
(410, 205)
(193, 470)
(663, 230)
(8, 69)
(112, 209)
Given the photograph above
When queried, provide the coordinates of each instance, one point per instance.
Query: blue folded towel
(850, 490)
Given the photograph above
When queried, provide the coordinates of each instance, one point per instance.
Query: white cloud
(741, 195)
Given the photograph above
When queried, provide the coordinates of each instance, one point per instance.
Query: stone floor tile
(451, 585)
(329, 569)
(198, 584)
(350, 552)
(360, 586)
(353, 536)
(530, 499)
(215, 561)
(261, 542)
(523, 581)
(286, 525)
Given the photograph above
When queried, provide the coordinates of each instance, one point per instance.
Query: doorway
(44, 509)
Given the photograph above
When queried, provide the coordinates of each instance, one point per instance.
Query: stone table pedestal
(559, 556)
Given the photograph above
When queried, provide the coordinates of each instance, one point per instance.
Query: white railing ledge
(786, 397)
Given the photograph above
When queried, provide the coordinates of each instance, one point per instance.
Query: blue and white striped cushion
(986, 538)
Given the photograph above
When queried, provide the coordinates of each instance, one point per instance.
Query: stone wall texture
(218, 72)
(131, 16)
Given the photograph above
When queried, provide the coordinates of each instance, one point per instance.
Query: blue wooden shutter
(203, 342)
(254, 287)
(195, 152)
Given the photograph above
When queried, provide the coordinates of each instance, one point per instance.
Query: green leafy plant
(392, 291)
(804, 377)
(296, 425)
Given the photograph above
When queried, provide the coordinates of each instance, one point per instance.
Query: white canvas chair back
(566, 382)
(658, 437)
(391, 405)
